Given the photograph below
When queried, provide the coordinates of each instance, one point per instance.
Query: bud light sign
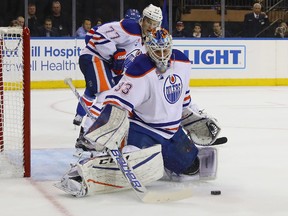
(217, 56)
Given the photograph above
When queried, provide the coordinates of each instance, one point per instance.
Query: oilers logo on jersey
(173, 87)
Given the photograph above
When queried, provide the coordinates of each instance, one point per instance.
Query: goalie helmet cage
(15, 150)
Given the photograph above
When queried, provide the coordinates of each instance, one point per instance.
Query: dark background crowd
(94, 10)
(53, 18)
(108, 10)
(242, 18)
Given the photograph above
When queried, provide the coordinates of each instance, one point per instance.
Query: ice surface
(253, 165)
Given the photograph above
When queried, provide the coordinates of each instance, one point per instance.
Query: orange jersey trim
(103, 85)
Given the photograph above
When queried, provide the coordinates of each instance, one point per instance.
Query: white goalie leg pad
(111, 127)
(102, 175)
(201, 128)
(94, 109)
(87, 122)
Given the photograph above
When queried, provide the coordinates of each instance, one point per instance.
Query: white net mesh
(11, 103)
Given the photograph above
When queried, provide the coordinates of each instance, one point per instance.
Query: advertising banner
(220, 59)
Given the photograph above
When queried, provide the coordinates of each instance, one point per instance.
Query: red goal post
(15, 126)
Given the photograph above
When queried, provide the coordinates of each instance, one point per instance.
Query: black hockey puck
(215, 192)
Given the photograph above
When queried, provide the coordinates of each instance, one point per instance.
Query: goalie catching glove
(201, 128)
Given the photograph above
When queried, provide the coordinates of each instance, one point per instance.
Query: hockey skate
(194, 168)
(77, 120)
(82, 145)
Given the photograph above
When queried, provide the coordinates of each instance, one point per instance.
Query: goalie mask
(159, 47)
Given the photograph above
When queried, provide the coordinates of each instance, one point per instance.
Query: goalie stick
(68, 81)
(140, 190)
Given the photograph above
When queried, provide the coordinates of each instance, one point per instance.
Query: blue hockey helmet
(132, 14)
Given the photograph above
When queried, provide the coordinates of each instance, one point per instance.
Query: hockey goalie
(149, 118)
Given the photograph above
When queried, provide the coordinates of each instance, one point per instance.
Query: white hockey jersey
(104, 40)
(155, 101)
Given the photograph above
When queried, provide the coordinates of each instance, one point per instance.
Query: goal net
(14, 102)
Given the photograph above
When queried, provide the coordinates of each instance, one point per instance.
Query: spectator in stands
(261, 2)
(180, 30)
(10, 10)
(84, 28)
(217, 31)
(255, 22)
(33, 24)
(43, 9)
(98, 22)
(281, 31)
(47, 30)
(197, 31)
(21, 21)
(60, 21)
(14, 23)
